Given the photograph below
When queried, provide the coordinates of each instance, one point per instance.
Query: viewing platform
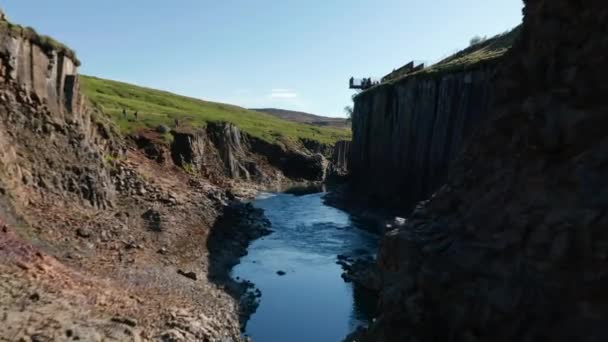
(362, 83)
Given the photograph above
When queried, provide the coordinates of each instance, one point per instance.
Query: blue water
(311, 302)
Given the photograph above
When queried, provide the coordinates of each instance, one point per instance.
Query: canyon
(107, 235)
(483, 176)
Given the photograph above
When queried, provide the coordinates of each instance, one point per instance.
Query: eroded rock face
(231, 145)
(295, 164)
(50, 140)
(514, 247)
(188, 148)
(339, 159)
(405, 135)
(222, 148)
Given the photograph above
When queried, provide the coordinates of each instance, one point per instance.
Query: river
(310, 302)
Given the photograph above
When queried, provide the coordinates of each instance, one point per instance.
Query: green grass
(487, 50)
(157, 107)
(473, 56)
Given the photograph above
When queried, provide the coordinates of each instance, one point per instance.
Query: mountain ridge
(304, 117)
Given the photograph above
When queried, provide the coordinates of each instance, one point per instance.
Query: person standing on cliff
(136, 114)
(124, 113)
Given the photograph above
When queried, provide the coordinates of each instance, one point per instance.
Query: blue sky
(261, 53)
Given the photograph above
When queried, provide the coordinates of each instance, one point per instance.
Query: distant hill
(307, 118)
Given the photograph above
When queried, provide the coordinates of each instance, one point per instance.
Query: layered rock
(98, 233)
(339, 158)
(406, 134)
(230, 144)
(514, 246)
(293, 163)
(44, 123)
(244, 157)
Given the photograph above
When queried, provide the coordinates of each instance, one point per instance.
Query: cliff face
(339, 158)
(222, 150)
(44, 123)
(514, 246)
(88, 224)
(406, 134)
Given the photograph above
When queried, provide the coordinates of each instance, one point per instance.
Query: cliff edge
(514, 246)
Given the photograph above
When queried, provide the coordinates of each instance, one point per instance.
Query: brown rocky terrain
(513, 247)
(108, 238)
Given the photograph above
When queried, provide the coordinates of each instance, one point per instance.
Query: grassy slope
(159, 107)
(486, 51)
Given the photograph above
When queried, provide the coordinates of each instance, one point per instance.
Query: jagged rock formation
(229, 142)
(339, 158)
(405, 134)
(293, 163)
(51, 142)
(514, 246)
(222, 149)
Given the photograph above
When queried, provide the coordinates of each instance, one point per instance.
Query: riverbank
(240, 225)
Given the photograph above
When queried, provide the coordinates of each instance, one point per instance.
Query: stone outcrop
(514, 246)
(339, 159)
(44, 123)
(219, 148)
(231, 145)
(405, 134)
(293, 163)
(243, 157)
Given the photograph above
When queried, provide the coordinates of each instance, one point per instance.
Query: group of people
(126, 116)
(364, 83)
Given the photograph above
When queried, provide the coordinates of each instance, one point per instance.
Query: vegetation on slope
(484, 51)
(157, 107)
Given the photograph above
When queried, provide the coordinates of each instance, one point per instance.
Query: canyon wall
(405, 134)
(222, 150)
(339, 158)
(44, 123)
(514, 246)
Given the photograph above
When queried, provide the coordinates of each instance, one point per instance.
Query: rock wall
(514, 247)
(406, 134)
(222, 149)
(49, 76)
(44, 123)
(339, 158)
(298, 164)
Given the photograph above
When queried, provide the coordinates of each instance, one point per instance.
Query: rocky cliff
(97, 241)
(111, 237)
(51, 141)
(514, 246)
(222, 150)
(339, 158)
(406, 133)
